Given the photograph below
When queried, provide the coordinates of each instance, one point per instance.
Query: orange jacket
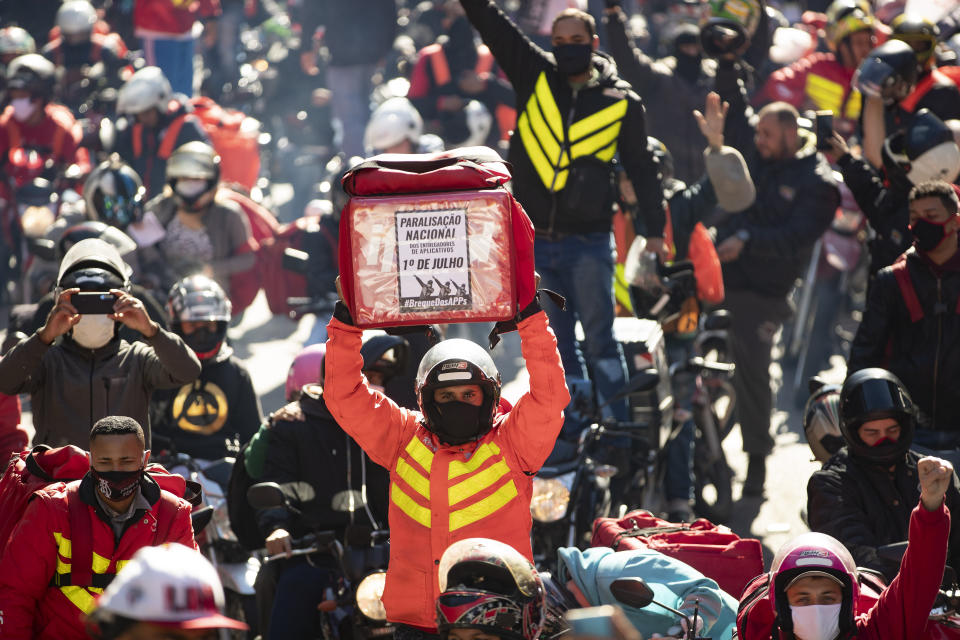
(41, 546)
(440, 494)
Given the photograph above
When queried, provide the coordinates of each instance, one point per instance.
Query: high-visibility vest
(552, 144)
(830, 95)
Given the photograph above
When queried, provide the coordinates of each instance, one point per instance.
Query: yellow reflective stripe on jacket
(420, 453)
(540, 127)
(477, 482)
(413, 478)
(81, 597)
(483, 508)
(854, 104)
(409, 506)
(481, 455)
(826, 94)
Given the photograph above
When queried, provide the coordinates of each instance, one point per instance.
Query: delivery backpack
(234, 135)
(756, 617)
(43, 467)
(435, 237)
(245, 285)
(713, 550)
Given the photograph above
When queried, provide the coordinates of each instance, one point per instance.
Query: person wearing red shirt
(166, 30)
(32, 121)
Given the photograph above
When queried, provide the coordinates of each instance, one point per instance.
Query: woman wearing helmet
(460, 467)
(211, 416)
(863, 495)
(204, 233)
(489, 590)
(813, 587)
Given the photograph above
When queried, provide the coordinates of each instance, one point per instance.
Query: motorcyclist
(823, 80)
(589, 574)
(91, 372)
(77, 48)
(14, 42)
(814, 587)
(32, 121)
(203, 232)
(488, 589)
(862, 495)
(303, 444)
(396, 127)
(911, 322)
(157, 122)
(209, 417)
(459, 467)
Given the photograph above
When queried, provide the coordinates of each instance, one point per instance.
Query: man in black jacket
(305, 450)
(864, 494)
(766, 247)
(575, 115)
(911, 325)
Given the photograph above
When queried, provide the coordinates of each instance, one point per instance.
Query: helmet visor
(491, 552)
(876, 397)
(878, 79)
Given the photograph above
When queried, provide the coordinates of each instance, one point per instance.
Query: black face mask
(116, 485)
(688, 67)
(205, 343)
(573, 59)
(454, 422)
(927, 235)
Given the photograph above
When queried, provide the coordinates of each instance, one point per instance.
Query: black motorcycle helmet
(888, 72)
(925, 150)
(918, 32)
(198, 298)
(873, 394)
(385, 354)
(821, 422)
(93, 229)
(114, 194)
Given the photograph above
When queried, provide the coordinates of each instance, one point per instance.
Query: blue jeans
(175, 59)
(679, 472)
(580, 268)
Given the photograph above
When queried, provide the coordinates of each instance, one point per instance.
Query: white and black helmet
(458, 362)
(393, 122)
(76, 17)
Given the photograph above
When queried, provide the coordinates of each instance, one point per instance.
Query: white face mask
(816, 621)
(23, 109)
(190, 188)
(93, 331)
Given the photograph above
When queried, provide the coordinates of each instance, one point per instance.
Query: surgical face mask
(93, 331)
(191, 188)
(573, 59)
(927, 236)
(454, 422)
(116, 485)
(23, 109)
(816, 621)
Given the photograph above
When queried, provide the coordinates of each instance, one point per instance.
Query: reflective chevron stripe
(409, 506)
(483, 508)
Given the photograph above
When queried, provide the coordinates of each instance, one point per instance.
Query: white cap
(169, 585)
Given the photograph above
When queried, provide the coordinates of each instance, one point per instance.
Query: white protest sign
(433, 260)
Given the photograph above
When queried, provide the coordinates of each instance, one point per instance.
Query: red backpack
(245, 285)
(434, 238)
(42, 467)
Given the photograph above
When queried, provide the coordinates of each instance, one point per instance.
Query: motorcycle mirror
(633, 592)
(265, 495)
(646, 380)
(201, 518)
(348, 501)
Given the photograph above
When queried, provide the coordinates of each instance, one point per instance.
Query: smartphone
(824, 130)
(594, 622)
(93, 302)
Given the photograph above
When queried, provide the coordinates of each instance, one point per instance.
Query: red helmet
(813, 555)
(490, 586)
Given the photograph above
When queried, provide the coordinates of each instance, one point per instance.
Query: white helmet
(76, 17)
(16, 41)
(146, 89)
(393, 122)
(479, 123)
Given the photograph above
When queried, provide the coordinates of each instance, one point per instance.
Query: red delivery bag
(434, 238)
(713, 550)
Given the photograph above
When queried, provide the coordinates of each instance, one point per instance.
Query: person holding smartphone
(77, 369)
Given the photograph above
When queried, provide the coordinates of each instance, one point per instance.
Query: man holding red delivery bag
(459, 467)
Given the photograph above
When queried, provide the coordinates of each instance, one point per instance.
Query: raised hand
(61, 318)
(711, 122)
(935, 478)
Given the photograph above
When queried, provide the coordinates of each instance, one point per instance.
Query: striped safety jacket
(440, 494)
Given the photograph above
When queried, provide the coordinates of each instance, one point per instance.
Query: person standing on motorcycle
(302, 443)
(167, 592)
(91, 372)
(460, 467)
(765, 248)
(210, 416)
(77, 47)
(125, 510)
(576, 114)
(814, 588)
(157, 122)
(203, 233)
(32, 121)
(911, 325)
(862, 495)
